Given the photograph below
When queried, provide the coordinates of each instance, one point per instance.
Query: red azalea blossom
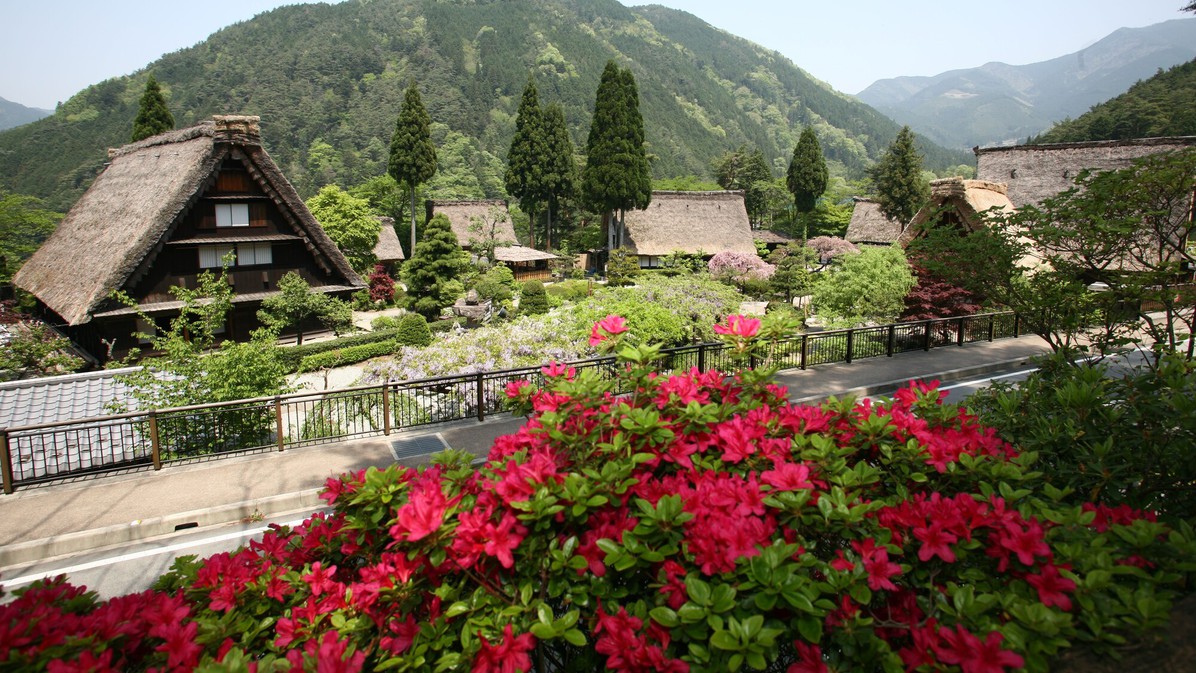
(809, 659)
(509, 656)
(1051, 587)
(974, 655)
(740, 326)
(610, 326)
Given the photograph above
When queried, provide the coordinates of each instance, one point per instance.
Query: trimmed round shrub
(533, 300)
(496, 285)
(412, 330)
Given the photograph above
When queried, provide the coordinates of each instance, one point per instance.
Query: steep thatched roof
(461, 215)
(869, 226)
(388, 248)
(120, 224)
(770, 237)
(519, 253)
(708, 222)
(964, 202)
(1032, 173)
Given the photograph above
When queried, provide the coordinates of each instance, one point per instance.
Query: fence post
(481, 399)
(702, 357)
(992, 325)
(959, 337)
(850, 344)
(1017, 325)
(926, 335)
(278, 429)
(804, 349)
(155, 444)
(892, 340)
(6, 461)
(386, 407)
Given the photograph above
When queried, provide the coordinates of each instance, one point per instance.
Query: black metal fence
(50, 452)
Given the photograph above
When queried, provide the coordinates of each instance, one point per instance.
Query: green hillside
(328, 80)
(1164, 105)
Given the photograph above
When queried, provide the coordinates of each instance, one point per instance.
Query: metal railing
(50, 452)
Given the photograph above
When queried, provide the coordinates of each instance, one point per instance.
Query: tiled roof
(61, 398)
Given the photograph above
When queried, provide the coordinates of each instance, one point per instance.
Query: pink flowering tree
(699, 522)
(830, 247)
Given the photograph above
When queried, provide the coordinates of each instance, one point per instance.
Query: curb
(144, 529)
(949, 376)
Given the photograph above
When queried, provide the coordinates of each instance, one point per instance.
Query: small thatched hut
(1032, 173)
(958, 203)
(869, 226)
(166, 209)
(691, 222)
(489, 218)
(388, 249)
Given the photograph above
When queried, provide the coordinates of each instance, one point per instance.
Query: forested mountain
(1164, 105)
(998, 103)
(328, 80)
(14, 114)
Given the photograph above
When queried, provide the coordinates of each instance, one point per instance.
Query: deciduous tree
(868, 287)
(153, 116)
(24, 224)
(295, 303)
(350, 224)
(900, 188)
(412, 154)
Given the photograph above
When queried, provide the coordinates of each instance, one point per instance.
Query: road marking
(974, 382)
(133, 556)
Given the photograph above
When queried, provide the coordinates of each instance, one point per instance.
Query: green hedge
(292, 356)
(347, 356)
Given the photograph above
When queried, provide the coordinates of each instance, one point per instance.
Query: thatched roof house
(959, 203)
(691, 222)
(472, 220)
(388, 249)
(164, 210)
(869, 226)
(1032, 173)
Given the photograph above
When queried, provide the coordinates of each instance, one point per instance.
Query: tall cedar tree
(525, 162)
(616, 176)
(153, 117)
(900, 189)
(807, 174)
(436, 262)
(560, 170)
(412, 154)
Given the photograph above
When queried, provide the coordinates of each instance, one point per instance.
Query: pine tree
(412, 154)
(560, 170)
(616, 176)
(807, 176)
(524, 177)
(153, 116)
(437, 261)
(900, 189)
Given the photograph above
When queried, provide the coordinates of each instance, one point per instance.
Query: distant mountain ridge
(14, 114)
(997, 103)
(328, 81)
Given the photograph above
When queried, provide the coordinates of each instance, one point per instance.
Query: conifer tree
(412, 154)
(616, 176)
(153, 116)
(807, 176)
(560, 170)
(524, 177)
(900, 189)
(437, 261)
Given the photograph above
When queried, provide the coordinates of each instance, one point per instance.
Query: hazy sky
(51, 49)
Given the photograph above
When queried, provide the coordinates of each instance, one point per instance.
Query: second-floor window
(232, 214)
(247, 254)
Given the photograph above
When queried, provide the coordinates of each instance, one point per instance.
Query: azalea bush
(700, 522)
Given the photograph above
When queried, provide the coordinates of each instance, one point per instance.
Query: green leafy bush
(384, 322)
(442, 326)
(290, 357)
(1116, 437)
(660, 309)
(570, 290)
(413, 330)
(351, 355)
(496, 285)
(533, 300)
